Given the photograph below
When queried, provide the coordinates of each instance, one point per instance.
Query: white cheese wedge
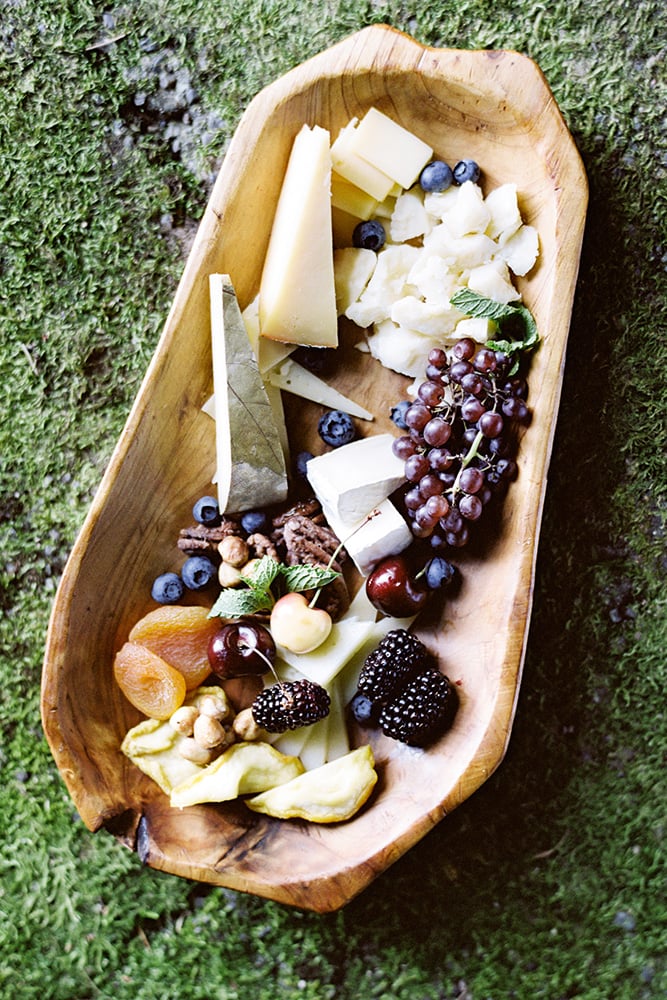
(292, 377)
(251, 468)
(353, 268)
(358, 171)
(324, 663)
(356, 477)
(369, 541)
(338, 743)
(297, 300)
(389, 147)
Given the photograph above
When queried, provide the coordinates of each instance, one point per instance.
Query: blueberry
(397, 413)
(302, 460)
(206, 511)
(369, 235)
(253, 521)
(439, 573)
(436, 176)
(167, 588)
(336, 428)
(363, 709)
(466, 170)
(197, 572)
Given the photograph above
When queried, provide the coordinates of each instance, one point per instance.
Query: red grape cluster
(460, 443)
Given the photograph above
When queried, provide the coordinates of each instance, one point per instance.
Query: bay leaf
(251, 463)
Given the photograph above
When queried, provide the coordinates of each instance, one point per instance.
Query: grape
(416, 466)
(437, 432)
(438, 505)
(431, 393)
(430, 485)
(471, 507)
(413, 499)
(425, 519)
(417, 416)
(459, 370)
(485, 360)
(464, 349)
(441, 459)
(438, 358)
(491, 425)
(471, 480)
(403, 447)
(472, 409)
(472, 383)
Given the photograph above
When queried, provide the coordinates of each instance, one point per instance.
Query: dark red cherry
(241, 648)
(393, 589)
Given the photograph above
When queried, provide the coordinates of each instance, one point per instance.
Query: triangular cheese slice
(297, 298)
(251, 470)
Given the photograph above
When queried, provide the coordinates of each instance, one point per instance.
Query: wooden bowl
(497, 108)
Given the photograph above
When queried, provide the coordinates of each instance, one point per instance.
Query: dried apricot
(150, 683)
(180, 635)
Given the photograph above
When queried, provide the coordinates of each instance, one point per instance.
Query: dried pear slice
(329, 794)
(246, 768)
(153, 746)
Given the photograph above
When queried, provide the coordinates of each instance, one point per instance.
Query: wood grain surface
(495, 107)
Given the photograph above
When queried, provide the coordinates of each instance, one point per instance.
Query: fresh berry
(438, 572)
(436, 176)
(336, 428)
(466, 170)
(398, 412)
(369, 235)
(198, 571)
(241, 648)
(394, 590)
(167, 588)
(301, 463)
(422, 710)
(254, 521)
(363, 710)
(386, 670)
(206, 511)
(290, 705)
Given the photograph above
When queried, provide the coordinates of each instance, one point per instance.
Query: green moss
(548, 882)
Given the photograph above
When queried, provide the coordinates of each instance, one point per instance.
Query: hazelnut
(208, 732)
(234, 551)
(215, 706)
(228, 576)
(191, 750)
(246, 728)
(183, 719)
(248, 570)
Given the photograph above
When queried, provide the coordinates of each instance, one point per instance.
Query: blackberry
(422, 710)
(391, 664)
(289, 705)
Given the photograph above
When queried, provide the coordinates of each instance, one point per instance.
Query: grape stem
(467, 459)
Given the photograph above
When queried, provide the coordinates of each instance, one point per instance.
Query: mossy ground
(549, 882)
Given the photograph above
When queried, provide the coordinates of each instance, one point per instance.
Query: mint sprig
(515, 324)
(268, 577)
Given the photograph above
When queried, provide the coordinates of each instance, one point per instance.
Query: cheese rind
(297, 300)
(355, 478)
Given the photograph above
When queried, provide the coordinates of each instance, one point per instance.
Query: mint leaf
(236, 603)
(515, 323)
(263, 574)
(304, 577)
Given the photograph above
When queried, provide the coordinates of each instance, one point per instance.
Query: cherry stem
(241, 646)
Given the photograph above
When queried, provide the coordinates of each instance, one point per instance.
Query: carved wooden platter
(495, 107)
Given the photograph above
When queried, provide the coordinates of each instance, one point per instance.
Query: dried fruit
(245, 768)
(180, 635)
(150, 683)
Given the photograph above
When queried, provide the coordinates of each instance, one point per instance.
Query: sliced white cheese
(353, 268)
(324, 663)
(356, 477)
(297, 301)
(358, 171)
(251, 469)
(385, 534)
(389, 147)
(292, 377)
(268, 352)
(351, 199)
(338, 743)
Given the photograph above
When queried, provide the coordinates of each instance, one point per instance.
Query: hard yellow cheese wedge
(329, 794)
(297, 300)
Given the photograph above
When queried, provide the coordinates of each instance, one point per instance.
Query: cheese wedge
(251, 468)
(390, 148)
(297, 299)
(294, 378)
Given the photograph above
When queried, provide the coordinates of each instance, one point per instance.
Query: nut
(191, 750)
(246, 728)
(248, 570)
(215, 706)
(234, 551)
(208, 732)
(228, 576)
(183, 719)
